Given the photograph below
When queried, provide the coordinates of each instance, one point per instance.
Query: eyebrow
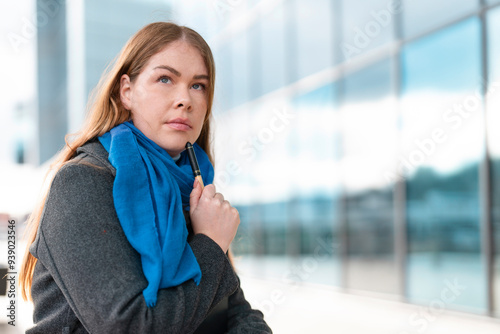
(178, 74)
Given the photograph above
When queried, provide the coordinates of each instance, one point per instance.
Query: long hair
(106, 111)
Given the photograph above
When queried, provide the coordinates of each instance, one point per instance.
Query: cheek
(201, 106)
(144, 105)
(142, 95)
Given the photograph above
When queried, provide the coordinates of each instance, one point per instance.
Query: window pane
(313, 143)
(224, 88)
(441, 147)
(240, 70)
(420, 16)
(255, 63)
(108, 26)
(273, 50)
(369, 123)
(314, 152)
(314, 26)
(493, 119)
(52, 81)
(366, 25)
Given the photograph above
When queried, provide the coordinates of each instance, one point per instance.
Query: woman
(109, 249)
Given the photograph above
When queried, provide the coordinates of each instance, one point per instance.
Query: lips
(181, 124)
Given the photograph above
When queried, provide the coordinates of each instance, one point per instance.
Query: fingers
(210, 195)
(194, 197)
(214, 216)
(209, 191)
(219, 197)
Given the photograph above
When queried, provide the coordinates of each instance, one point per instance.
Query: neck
(177, 157)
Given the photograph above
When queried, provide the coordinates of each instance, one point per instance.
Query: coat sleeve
(82, 245)
(242, 319)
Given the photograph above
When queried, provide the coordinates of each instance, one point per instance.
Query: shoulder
(86, 177)
(90, 161)
(93, 154)
(80, 194)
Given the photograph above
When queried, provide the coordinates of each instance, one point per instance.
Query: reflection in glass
(441, 148)
(369, 123)
(366, 24)
(423, 15)
(314, 150)
(493, 119)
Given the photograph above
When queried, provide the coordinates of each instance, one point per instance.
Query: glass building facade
(52, 82)
(358, 140)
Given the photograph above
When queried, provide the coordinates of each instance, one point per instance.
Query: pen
(194, 163)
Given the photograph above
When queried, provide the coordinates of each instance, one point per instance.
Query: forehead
(180, 55)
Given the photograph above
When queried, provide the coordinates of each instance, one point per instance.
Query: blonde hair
(105, 110)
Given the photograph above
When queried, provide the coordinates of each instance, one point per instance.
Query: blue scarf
(149, 193)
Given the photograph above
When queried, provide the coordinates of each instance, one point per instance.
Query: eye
(164, 79)
(199, 86)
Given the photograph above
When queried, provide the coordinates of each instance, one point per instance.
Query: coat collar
(95, 149)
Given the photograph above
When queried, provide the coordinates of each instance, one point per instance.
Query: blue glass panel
(492, 121)
(423, 15)
(369, 134)
(313, 147)
(442, 143)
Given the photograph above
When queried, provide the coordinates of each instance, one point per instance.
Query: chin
(175, 142)
(175, 149)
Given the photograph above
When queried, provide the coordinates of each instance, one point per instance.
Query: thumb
(195, 195)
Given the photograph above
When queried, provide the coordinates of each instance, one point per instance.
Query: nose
(183, 99)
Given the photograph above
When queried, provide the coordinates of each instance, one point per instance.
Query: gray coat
(89, 279)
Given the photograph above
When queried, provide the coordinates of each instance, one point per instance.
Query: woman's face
(168, 99)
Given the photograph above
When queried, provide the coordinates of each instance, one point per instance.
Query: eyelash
(163, 77)
(203, 86)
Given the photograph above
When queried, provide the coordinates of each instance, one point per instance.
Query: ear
(126, 91)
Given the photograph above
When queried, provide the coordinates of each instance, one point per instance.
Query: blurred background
(358, 139)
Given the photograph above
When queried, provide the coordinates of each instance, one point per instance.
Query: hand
(212, 215)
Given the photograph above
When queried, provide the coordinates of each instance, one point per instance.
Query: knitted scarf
(149, 193)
